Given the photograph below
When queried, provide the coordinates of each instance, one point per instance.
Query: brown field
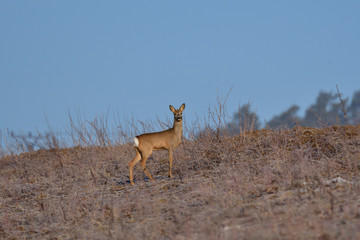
(288, 184)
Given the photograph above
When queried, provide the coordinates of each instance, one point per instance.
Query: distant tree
(354, 108)
(327, 110)
(244, 120)
(287, 119)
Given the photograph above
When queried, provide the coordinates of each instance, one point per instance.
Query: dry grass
(288, 184)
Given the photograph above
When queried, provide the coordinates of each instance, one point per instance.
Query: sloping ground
(302, 183)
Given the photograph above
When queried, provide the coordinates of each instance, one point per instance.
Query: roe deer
(166, 140)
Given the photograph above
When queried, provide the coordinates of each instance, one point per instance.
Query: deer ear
(182, 107)
(172, 108)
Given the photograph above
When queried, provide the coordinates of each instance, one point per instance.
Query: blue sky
(137, 57)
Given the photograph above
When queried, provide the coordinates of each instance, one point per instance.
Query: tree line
(329, 109)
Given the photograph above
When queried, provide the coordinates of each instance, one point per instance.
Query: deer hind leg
(145, 156)
(170, 163)
(132, 164)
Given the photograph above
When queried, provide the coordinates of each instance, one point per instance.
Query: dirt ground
(302, 183)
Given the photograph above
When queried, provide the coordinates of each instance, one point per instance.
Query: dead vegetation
(301, 183)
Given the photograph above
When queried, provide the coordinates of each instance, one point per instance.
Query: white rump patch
(136, 142)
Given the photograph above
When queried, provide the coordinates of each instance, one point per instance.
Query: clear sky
(137, 57)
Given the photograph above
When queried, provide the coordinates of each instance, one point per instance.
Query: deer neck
(178, 127)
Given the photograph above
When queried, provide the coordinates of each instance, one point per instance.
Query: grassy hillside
(289, 184)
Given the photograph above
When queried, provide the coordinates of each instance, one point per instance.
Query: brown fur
(166, 140)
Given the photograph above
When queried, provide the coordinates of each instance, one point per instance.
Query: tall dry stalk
(343, 108)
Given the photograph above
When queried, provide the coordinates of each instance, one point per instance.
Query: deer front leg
(170, 162)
